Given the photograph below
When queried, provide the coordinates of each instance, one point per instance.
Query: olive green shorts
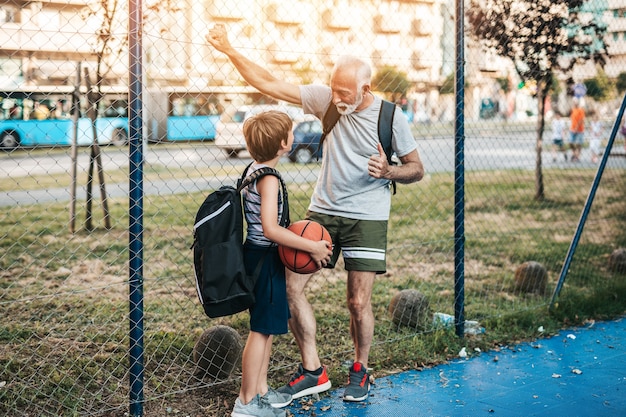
(362, 242)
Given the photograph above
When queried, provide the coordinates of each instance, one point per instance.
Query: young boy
(268, 137)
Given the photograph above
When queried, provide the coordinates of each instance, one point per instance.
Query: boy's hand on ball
(322, 253)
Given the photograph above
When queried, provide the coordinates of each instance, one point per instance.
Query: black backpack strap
(330, 119)
(244, 181)
(385, 128)
(385, 131)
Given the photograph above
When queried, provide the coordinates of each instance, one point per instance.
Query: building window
(8, 15)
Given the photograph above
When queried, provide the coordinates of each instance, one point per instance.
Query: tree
(447, 87)
(390, 80)
(541, 38)
(620, 84)
(600, 87)
(110, 39)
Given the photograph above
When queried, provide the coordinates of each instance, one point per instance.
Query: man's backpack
(223, 286)
(385, 127)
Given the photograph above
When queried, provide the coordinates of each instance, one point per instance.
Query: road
(487, 150)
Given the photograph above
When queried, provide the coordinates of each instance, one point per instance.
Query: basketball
(299, 261)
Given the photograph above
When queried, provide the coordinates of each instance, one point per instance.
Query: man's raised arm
(255, 75)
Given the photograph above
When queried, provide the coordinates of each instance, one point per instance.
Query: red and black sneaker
(305, 383)
(358, 384)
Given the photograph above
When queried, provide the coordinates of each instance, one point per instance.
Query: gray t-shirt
(344, 187)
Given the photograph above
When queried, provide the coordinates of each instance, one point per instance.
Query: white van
(229, 129)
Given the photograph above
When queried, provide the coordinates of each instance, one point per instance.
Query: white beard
(345, 109)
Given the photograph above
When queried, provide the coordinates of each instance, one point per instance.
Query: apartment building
(42, 41)
(615, 18)
(613, 15)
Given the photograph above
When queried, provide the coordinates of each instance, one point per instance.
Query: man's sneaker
(358, 383)
(305, 383)
(258, 407)
(278, 399)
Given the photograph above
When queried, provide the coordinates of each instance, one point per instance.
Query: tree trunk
(95, 158)
(541, 99)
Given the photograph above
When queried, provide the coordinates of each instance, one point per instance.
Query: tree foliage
(389, 80)
(600, 87)
(447, 87)
(541, 38)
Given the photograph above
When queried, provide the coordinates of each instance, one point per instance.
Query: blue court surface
(579, 372)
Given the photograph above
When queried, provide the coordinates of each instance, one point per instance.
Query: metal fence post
(459, 176)
(136, 210)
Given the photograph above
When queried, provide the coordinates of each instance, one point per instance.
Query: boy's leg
(251, 365)
(262, 381)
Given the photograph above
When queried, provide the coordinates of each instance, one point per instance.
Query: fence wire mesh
(64, 282)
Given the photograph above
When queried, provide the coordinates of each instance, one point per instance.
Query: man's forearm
(406, 173)
(254, 74)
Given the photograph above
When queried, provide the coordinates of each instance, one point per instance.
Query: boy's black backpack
(223, 286)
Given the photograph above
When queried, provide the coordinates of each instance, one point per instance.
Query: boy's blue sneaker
(278, 399)
(257, 407)
(305, 383)
(358, 384)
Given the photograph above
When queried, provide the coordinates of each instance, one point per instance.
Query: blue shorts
(576, 138)
(270, 312)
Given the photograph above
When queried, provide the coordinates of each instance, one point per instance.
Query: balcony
(71, 43)
(229, 11)
(418, 62)
(386, 24)
(616, 4)
(389, 55)
(46, 3)
(616, 24)
(616, 48)
(283, 53)
(419, 28)
(330, 52)
(286, 13)
(335, 20)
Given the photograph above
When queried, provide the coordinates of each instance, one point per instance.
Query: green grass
(64, 297)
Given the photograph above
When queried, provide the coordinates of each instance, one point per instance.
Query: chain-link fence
(64, 277)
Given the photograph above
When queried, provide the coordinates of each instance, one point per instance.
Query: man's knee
(359, 305)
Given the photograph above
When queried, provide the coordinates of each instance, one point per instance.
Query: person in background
(41, 111)
(596, 130)
(577, 130)
(352, 199)
(268, 137)
(559, 130)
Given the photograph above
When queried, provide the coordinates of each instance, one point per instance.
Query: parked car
(306, 141)
(229, 129)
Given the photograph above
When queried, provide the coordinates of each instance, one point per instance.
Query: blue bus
(41, 116)
(192, 115)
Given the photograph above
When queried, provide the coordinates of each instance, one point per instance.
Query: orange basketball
(299, 261)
